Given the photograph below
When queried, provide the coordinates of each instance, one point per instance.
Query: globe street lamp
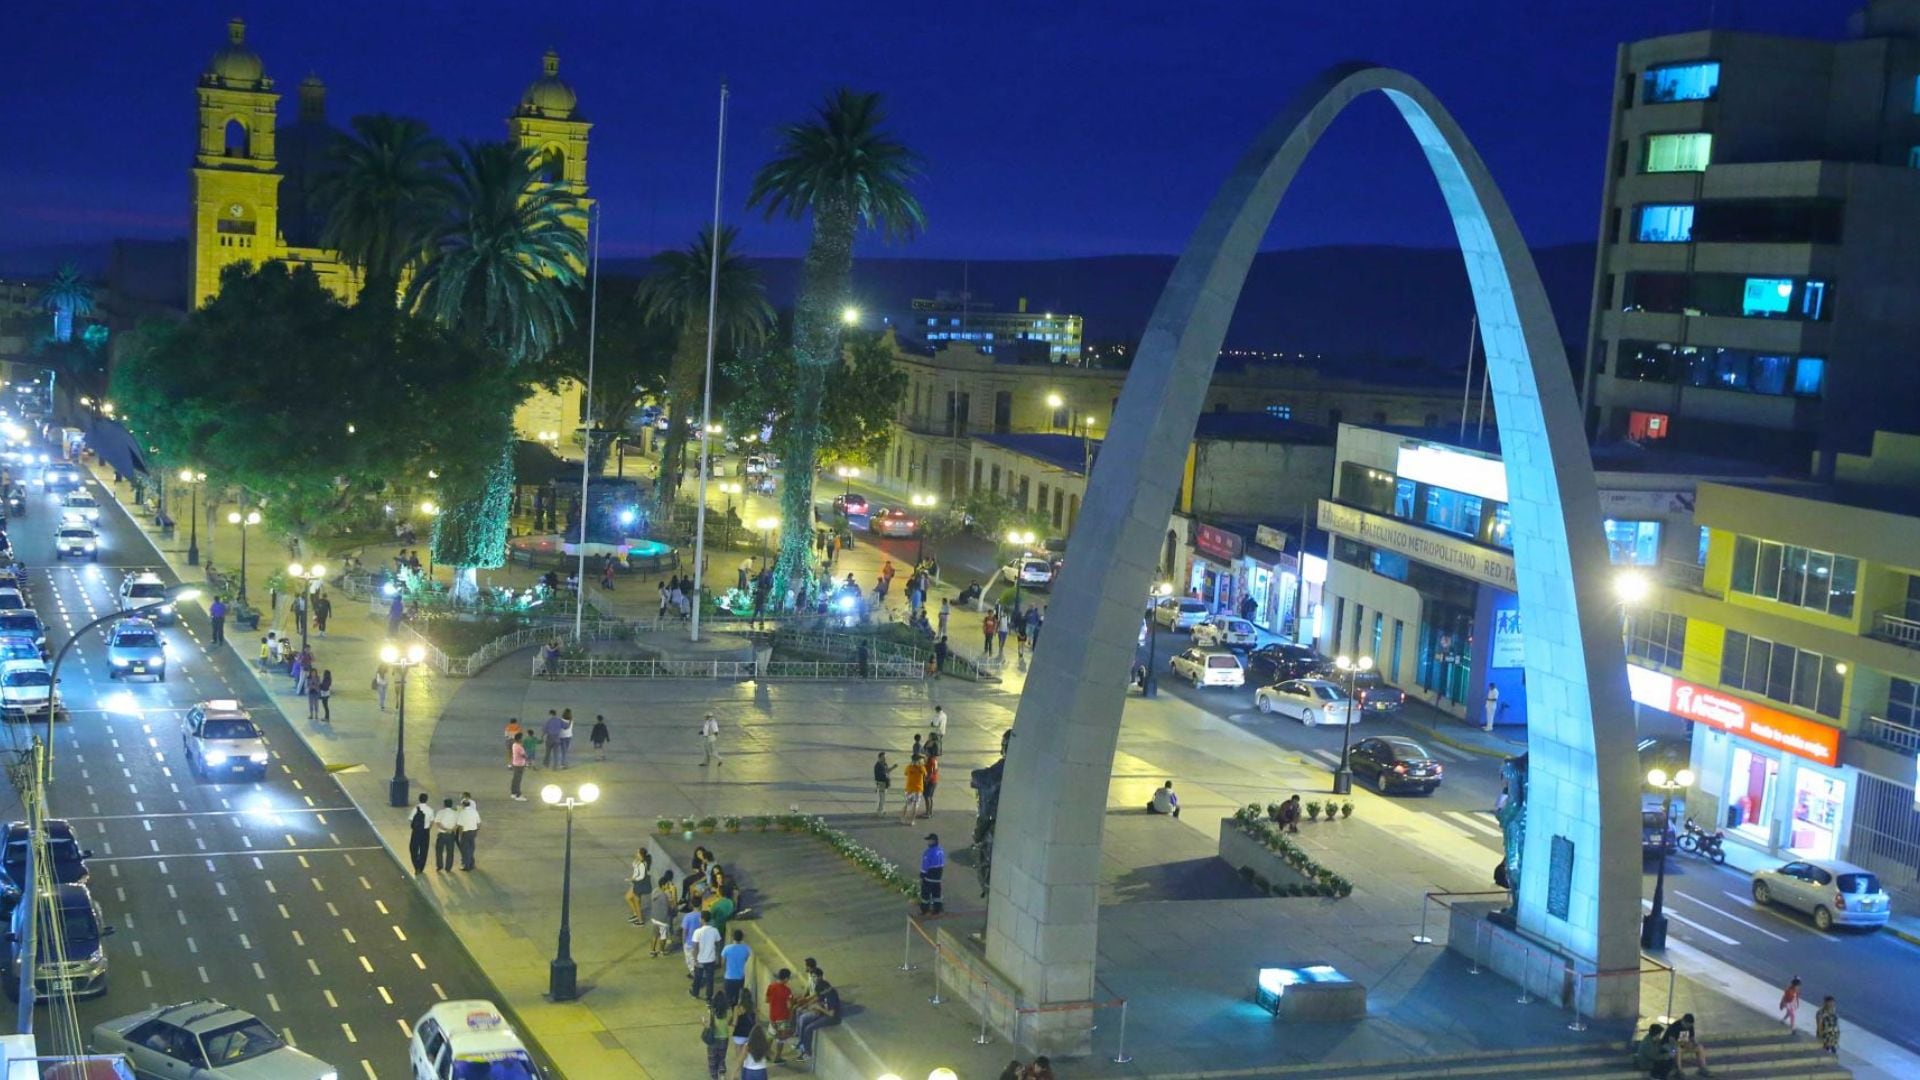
(193, 480)
(308, 577)
(730, 488)
(1056, 403)
(1150, 683)
(1343, 776)
(1022, 539)
(175, 594)
(562, 974)
(1653, 927)
(404, 660)
(250, 518)
(430, 510)
(924, 503)
(850, 316)
(846, 473)
(766, 525)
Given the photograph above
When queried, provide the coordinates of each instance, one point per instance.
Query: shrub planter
(1272, 863)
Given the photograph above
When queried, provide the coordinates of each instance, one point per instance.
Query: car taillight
(1401, 769)
(1840, 901)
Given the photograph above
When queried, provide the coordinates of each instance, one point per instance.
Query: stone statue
(1512, 815)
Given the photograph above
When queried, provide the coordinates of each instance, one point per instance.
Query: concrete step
(1747, 1055)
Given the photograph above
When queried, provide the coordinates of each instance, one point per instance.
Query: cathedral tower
(236, 184)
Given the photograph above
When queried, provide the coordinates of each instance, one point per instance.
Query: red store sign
(1795, 735)
(1217, 544)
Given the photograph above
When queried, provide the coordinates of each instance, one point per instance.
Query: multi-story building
(959, 392)
(958, 317)
(252, 202)
(1753, 293)
(1794, 655)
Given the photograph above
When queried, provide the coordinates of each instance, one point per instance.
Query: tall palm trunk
(684, 380)
(816, 345)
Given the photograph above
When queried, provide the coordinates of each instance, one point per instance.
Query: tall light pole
(1150, 685)
(308, 577)
(1021, 539)
(176, 594)
(404, 659)
(250, 518)
(1653, 927)
(562, 974)
(923, 503)
(846, 473)
(766, 525)
(1343, 776)
(193, 480)
(430, 510)
(708, 428)
(730, 488)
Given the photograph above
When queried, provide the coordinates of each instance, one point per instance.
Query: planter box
(1245, 852)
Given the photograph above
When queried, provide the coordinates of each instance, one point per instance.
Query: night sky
(1049, 128)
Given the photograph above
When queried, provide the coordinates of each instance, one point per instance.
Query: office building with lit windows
(1756, 268)
(958, 317)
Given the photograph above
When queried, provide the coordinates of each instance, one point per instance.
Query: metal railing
(1897, 628)
(594, 667)
(1684, 575)
(1887, 733)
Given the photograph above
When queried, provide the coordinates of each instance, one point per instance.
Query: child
(530, 738)
(599, 737)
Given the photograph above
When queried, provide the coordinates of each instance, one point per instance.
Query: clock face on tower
(236, 210)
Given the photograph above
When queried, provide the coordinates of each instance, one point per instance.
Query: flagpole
(706, 397)
(586, 457)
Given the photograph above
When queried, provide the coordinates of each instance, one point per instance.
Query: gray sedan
(206, 1040)
(1835, 893)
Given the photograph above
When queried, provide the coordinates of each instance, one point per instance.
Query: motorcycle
(1707, 845)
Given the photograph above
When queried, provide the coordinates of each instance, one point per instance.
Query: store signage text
(1268, 536)
(1462, 557)
(1217, 544)
(1736, 716)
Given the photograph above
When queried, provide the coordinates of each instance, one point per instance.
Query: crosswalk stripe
(1725, 914)
(1327, 756)
(1472, 822)
(1707, 930)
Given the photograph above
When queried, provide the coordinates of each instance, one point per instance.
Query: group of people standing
(452, 830)
(1023, 624)
(555, 733)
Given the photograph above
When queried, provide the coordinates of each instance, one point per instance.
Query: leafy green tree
(845, 172)
(630, 362)
(66, 295)
(863, 393)
(675, 296)
(498, 269)
(382, 189)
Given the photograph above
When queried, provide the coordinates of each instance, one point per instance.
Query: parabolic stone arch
(1585, 787)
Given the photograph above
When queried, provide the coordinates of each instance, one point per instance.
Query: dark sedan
(1373, 693)
(1395, 764)
(1281, 662)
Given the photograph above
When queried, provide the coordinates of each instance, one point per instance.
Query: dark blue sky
(1049, 128)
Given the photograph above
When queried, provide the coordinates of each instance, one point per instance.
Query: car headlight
(98, 961)
(119, 661)
(89, 545)
(166, 609)
(330, 1076)
(259, 758)
(216, 757)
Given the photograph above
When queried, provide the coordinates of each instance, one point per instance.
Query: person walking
(326, 695)
(1790, 1001)
(531, 738)
(599, 737)
(1001, 629)
(660, 909)
(566, 737)
(300, 613)
(396, 611)
(517, 764)
(689, 923)
(933, 778)
(468, 823)
(756, 1057)
(716, 1031)
(946, 609)
(706, 955)
(987, 627)
(639, 885)
(733, 968)
(553, 727)
(218, 613)
(1826, 1024)
(512, 732)
(322, 611)
(933, 866)
(381, 678)
(1034, 622)
(882, 780)
(419, 834)
(446, 830)
(780, 1011)
(916, 789)
(710, 741)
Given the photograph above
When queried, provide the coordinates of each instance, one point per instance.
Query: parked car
(755, 465)
(134, 647)
(1225, 630)
(25, 624)
(71, 929)
(1373, 694)
(18, 647)
(1656, 833)
(25, 686)
(220, 739)
(468, 1040)
(1281, 661)
(1395, 764)
(1209, 667)
(1179, 613)
(69, 858)
(1310, 701)
(206, 1040)
(145, 589)
(1032, 571)
(1835, 893)
(894, 522)
(11, 599)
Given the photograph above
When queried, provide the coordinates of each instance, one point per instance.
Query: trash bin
(1736, 814)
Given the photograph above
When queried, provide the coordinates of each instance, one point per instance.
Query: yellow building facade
(251, 182)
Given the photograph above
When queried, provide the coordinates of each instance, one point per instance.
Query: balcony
(1896, 627)
(1893, 736)
(1680, 574)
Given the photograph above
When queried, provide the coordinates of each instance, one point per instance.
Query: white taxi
(469, 1040)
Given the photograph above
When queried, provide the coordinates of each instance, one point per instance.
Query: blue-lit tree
(67, 295)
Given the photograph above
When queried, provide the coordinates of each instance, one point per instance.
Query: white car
(81, 505)
(1835, 893)
(25, 686)
(1179, 613)
(1226, 630)
(1310, 701)
(220, 740)
(1030, 570)
(145, 589)
(207, 1040)
(1209, 667)
(12, 600)
(77, 540)
(469, 1040)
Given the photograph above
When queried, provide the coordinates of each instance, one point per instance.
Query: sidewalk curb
(1458, 744)
(525, 1030)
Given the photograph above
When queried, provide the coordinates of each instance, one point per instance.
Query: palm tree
(675, 296)
(499, 267)
(841, 168)
(67, 295)
(383, 189)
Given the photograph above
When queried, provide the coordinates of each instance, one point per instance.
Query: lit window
(1683, 82)
(1808, 376)
(1766, 296)
(1679, 152)
(1633, 543)
(1644, 426)
(1280, 412)
(1813, 300)
(1665, 224)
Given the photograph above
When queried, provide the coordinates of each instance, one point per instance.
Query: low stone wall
(1539, 968)
(965, 975)
(1244, 852)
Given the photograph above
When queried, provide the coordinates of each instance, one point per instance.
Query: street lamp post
(250, 518)
(404, 659)
(176, 594)
(431, 510)
(923, 502)
(1343, 776)
(1056, 403)
(193, 480)
(562, 974)
(308, 577)
(766, 525)
(1653, 927)
(1022, 539)
(1150, 683)
(730, 488)
(846, 473)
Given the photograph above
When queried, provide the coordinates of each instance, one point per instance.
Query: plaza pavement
(1185, 970)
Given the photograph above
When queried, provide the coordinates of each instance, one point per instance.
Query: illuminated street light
(850, 315)
(308, 576)
(193, 480)
(1631, 587)
(1343, 776)
(432, 510)
(1653, 927)
(562, 974)
(403, 659)
(251, 518)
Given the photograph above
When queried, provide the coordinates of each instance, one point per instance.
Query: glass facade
(1687, 151)
(1728, 295)
(1633, 543)
(1657, 637)
(1696, 81)
(1708, 367)
(1816, 580)
(1783, 673)
(1665, 224)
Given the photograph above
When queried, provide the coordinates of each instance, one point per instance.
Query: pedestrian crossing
(1475, 821)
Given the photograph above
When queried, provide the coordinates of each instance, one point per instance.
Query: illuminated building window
(1669, 224)
(1698, 81)
(1679, 152)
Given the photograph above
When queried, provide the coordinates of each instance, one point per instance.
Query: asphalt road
(273, 896)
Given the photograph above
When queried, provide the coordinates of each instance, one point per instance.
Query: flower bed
(879, 866)
(1273, 863)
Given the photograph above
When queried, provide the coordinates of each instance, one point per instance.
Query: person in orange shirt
(916, 790)
(513, 736)
(933, 781)
(988, 626)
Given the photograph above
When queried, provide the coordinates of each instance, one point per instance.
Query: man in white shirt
(706, 954)
(1165, 801)
(467, 822)
(1493, 706)
(445, 821)
(940, 722)
(710, 740)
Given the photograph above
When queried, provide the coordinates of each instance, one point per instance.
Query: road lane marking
(1707, 930)
(1471, 822)
(1722, 912)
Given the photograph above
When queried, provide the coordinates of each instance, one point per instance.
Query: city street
(275, 896)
